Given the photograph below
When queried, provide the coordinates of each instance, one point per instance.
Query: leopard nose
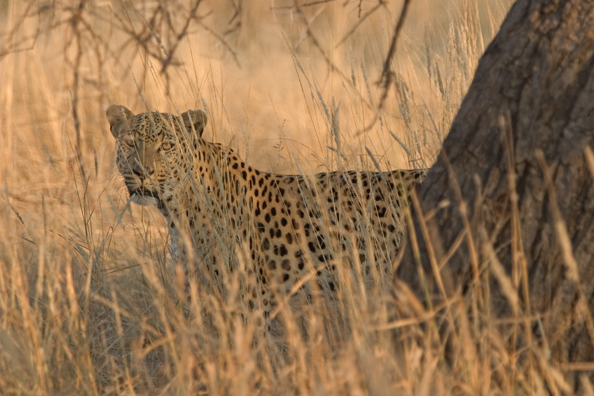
(142, 172)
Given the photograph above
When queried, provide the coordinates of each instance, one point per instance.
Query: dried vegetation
(87, 302)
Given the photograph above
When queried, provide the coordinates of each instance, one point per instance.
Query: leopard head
(154, 151)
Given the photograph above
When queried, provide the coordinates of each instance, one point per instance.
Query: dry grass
(87, 305)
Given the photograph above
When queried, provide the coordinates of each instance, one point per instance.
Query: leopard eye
(128, 140)
(167, 145)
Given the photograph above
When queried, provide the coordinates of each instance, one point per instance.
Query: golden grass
(87, 302)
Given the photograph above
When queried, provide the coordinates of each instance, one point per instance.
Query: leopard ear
(119, 118)
(195, 120)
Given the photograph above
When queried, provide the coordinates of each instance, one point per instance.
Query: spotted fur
(224, 215)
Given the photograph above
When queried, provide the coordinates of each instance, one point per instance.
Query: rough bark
(533, 90)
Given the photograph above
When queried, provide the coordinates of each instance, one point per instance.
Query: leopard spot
(286, 265)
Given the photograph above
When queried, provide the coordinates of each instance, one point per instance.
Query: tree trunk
(529, 114)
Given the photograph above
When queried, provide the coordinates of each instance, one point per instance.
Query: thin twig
(329, 62)
(387, 74)
(313, 3)
(361, 20)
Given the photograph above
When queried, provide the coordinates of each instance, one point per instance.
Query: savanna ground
(87, 300)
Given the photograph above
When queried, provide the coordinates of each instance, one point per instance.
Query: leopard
(286, 235)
